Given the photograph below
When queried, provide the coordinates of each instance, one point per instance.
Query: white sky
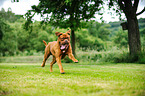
(22, 6)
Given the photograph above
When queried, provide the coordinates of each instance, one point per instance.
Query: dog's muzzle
(64, 47)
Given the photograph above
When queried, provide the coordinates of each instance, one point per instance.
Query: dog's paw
(42, 65)
(76, 61)
(62, 72)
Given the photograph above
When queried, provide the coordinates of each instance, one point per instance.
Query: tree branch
(135, 5)
(121, 5)
(140, 12)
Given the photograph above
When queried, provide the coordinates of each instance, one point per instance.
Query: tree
(9, 15)
(66, 13)
(7, 40)
(129, 8)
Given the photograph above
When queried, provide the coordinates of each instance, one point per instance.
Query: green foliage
(93, 36)
(66, 13)
(142, 32)
(7, 42)
(93, 27)
(99, 30)
(2, 28)
(121, 38)
(103, 32)
(87, 41)
(90, 56)
(114, 55)
(115, 25)
(125, 57)
(37, 35)
(9, 15)
(75, 11)
(141, 23)
(15, 39)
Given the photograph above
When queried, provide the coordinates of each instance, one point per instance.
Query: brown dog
(59, 49)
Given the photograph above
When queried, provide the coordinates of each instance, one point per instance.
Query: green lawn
(81, 79)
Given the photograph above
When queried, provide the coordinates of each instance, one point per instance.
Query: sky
(21, 7)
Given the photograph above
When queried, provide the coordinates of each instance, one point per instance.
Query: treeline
(15, 39)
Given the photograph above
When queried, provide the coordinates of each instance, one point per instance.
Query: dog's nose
(66, 41)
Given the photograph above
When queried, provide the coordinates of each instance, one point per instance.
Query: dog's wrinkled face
(64, 39)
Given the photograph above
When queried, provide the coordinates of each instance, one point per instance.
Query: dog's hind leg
(46, 55)
(44, 60)
(51, 64)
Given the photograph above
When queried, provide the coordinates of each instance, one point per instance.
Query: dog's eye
(67, 38)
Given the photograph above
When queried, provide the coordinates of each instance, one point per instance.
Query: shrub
(142, 58)
(117, 56)
(85, 41)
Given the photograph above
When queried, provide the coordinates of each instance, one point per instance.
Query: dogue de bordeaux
(59, 49)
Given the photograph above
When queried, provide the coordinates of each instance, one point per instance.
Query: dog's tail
(44, 43)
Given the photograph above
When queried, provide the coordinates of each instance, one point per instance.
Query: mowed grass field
(81, 79)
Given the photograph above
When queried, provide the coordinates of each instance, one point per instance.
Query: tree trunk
(133, 29)
(133, 35)
(73, 41)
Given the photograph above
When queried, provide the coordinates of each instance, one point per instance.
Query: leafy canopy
(65, 13)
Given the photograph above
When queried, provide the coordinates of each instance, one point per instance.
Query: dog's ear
(68, 32)
(58, 33)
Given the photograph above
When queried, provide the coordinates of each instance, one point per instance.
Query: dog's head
(63, 39)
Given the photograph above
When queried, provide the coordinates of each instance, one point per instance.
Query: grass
(81, 79)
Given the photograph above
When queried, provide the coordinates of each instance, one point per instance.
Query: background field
(81, 79)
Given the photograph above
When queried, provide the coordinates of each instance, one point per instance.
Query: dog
(59, 49)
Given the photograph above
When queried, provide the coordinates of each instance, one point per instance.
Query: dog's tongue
(62, 47)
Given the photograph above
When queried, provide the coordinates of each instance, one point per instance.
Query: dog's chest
(63, 51)
(63, 55)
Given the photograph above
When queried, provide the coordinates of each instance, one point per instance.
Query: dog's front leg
(71, 56)
(58, 60)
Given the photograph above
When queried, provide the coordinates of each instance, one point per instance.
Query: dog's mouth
(64, 47)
